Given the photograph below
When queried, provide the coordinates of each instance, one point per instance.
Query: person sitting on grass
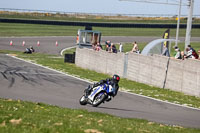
(177, 53)
(189, 54)
(113, 48)
(135, 48)
(194, 53)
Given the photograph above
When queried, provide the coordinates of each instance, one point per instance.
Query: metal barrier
(119, 25)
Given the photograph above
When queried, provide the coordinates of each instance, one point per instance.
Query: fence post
(166, 72)
(125, 65)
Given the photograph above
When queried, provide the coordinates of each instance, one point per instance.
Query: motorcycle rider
(111, 81)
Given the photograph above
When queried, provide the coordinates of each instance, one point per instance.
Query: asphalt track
(26, 81)
(47, 44)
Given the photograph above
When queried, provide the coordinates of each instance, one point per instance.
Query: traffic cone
(23, 43)
(38, 43)
(56, 43)
(11, 43)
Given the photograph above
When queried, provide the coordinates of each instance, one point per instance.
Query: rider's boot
(108, 98)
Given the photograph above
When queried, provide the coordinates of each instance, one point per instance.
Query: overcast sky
(99, 6)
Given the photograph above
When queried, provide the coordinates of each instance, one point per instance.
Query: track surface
(47, 44)
(25, 81)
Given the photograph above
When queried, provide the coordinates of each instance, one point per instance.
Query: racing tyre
(83, 100)
(99, 98)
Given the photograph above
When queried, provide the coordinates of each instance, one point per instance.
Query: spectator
(183, 55)
(108, 48)
(135, 48)
(108, 43)
(199, 54)
(189, 53)
(194, 53)
(113, 48)
(166, 51)
(120, 47)
(98, 47)
(93, 46)
(77, 38)
(99, 44)
(177, 53)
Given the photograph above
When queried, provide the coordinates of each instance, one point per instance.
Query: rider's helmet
(116, 78)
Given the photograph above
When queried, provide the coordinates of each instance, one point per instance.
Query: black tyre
(83, 100)
(99, 98)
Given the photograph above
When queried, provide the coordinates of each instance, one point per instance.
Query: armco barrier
(160, 71)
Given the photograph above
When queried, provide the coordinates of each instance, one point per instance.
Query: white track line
(48, 74)
(85, 80)
(61, 53)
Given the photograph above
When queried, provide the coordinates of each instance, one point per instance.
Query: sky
(100, 6)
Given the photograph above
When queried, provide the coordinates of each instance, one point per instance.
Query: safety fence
(96, 24)
(159, 71)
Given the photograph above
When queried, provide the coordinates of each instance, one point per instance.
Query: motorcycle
(96, 95)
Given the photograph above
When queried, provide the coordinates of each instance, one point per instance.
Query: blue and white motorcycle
(96, 95)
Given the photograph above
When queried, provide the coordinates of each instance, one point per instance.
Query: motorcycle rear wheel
(99, 98)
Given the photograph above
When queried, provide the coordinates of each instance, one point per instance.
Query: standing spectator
(121, 47)
(165, 51)
(77, 38)
(135, 48)
(178, 53)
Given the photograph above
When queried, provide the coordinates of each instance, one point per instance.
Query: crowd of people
(189, 53)
(111, 48)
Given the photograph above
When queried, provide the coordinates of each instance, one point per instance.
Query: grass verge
(128, 85)
(16, 29)
(19, 116)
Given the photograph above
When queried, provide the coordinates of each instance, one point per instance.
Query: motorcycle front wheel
(99, 98)
(82, 100)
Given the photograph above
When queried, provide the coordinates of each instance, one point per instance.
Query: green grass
(37, 30)
(128, 85)
(20, 116)
(13, 29)
(69, 51)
